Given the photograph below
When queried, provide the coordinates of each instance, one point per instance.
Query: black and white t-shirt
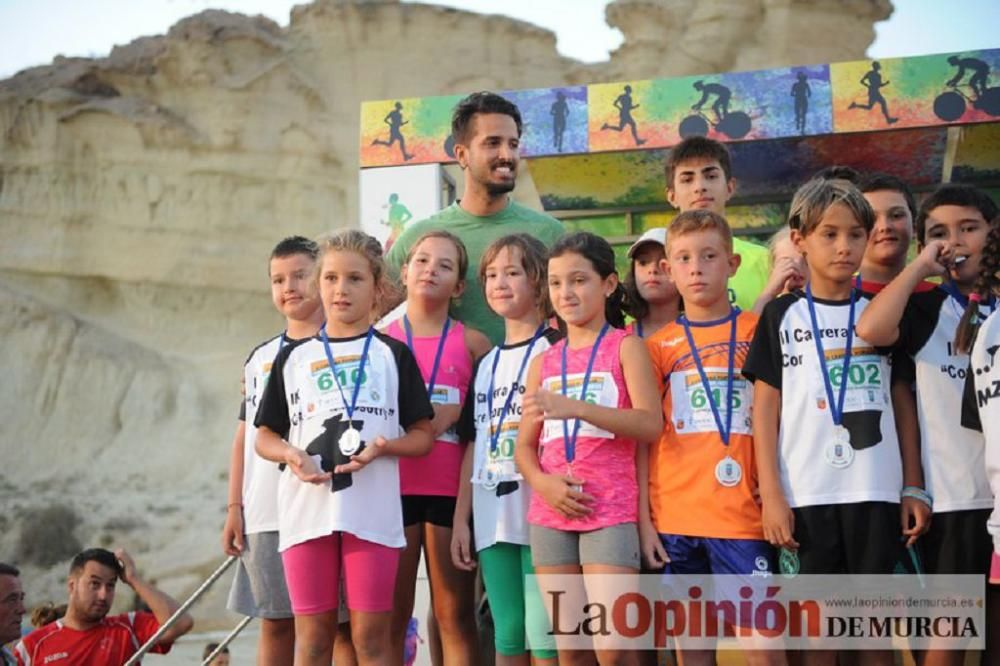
(260, 477)
(303, 404)
(814, 469)
(500, 513)
(981, 407)
(952, 456)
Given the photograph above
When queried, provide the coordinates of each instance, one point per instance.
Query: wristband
(974, 297)
(918, 494)
(232, 504)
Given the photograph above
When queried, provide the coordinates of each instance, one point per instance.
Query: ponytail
(613, 307)
(987, 285)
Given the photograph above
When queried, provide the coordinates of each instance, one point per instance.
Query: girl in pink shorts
(332, 413)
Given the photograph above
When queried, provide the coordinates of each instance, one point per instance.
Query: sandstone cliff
(141, 192)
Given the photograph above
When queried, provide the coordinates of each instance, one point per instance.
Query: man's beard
(497, 189)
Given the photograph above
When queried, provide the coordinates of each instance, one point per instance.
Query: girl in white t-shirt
(337, 410)
(512, 272)
(981, 403)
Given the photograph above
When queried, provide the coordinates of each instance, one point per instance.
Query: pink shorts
(995, 569)
(313, 568)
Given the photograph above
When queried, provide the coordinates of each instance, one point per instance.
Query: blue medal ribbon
(836, 410)
(724, 431)
(952, 290)
(638, 328)
(568, 442)
(361, 370)
(495, 437)
(437, 355)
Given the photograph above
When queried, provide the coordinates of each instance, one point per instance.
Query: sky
(33, 32)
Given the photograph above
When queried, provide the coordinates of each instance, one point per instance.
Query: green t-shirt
(751, 277)
(477, 232)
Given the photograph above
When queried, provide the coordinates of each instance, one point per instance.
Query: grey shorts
(617, 545)
(259, 588)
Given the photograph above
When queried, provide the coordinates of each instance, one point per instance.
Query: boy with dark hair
(824, 432)
(699, 176)
(885, 257)
(251, 529)
(487, 131)
(86, 636)
(953, 226)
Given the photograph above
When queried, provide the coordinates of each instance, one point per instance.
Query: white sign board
(393, 197)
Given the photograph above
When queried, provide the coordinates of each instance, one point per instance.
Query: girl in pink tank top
(588, 400)
(445, 351)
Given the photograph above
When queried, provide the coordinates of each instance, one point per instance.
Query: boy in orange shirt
(703, 515)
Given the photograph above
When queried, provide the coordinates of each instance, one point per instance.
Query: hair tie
(974, 297)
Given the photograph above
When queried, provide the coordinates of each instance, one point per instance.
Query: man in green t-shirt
(699, 176)
(487, 133)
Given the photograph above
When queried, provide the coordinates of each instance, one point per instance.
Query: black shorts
(862, 538)
(957, 543)
(434, 509)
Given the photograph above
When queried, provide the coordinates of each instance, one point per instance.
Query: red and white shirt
(111, 643)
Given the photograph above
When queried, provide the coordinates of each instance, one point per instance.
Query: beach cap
(655, 235)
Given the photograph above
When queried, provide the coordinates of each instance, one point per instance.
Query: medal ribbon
(724, 431)
(361, 371)
(568, 442)
(638, 328)
(836, 410)
(951, 288)
(495, 437)
(437, 355)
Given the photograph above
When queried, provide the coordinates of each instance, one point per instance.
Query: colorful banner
(407, 131)
(738, 106)
(787, 102)
(393, 198)
(554, 120)
(915, 92)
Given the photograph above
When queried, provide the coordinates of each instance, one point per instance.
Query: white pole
(227, 640)
(148, 645)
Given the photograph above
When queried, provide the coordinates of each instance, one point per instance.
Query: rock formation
(140, 194)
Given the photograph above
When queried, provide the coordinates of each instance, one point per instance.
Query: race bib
(867, 387)
(446, 395)
(502, 458)
(691, 410)
(329, 397)
(601, 390)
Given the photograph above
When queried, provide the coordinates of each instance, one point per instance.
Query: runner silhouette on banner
(873, 81)
(624, 105)
(801, 93)
(394, 119)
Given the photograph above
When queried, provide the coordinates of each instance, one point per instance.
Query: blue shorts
(706, 555)
(743, 562)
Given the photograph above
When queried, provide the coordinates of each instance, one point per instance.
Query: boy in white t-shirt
(251, 529)
(828, 457)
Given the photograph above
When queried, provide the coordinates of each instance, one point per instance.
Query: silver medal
(839, 452)
(350, 442)
(728, 472)
(491, 476)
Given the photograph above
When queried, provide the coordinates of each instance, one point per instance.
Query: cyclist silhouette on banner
(734, 124)
(951, 104)
(979, 79)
